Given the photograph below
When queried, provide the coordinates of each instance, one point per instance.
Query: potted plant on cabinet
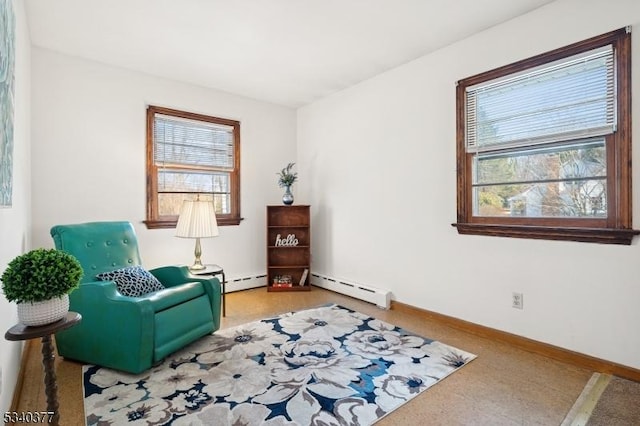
(40, 281)
(286, 178)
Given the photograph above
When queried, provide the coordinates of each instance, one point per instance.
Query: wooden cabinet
(288, 248)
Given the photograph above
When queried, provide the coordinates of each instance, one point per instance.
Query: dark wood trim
(463, 177)
(152, 172)
(234, 218)
(529, 345)
(171, 223)
(586, 235)
(622, 137)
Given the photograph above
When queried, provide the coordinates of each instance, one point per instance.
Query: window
(188, 156)
(544, 145)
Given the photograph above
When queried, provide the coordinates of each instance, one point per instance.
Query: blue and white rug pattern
(321, 366)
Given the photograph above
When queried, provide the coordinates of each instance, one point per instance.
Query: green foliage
(41, 274)
(285, 177)
(490, 203)
(490, 199)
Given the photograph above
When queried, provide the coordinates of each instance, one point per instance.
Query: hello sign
(290, 241)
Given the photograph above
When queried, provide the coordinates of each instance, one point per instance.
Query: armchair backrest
(98, 246)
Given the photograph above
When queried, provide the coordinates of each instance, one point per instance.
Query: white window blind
(182, 142)
(568, 99)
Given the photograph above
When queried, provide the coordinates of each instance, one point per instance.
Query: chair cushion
(176, 295)
(133, 281)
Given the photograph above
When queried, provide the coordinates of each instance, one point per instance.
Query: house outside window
(191, 156)
(543, 145)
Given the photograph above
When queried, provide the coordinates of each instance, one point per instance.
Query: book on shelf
(303, 279)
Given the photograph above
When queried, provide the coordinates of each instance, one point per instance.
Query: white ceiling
(289, 52)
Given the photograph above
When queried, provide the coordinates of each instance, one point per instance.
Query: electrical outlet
(517, 300)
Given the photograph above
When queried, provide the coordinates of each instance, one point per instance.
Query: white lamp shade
(197, 220)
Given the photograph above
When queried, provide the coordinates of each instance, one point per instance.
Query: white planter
(45, 312)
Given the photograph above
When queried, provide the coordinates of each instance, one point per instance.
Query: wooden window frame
(154, 220)
(617, 227)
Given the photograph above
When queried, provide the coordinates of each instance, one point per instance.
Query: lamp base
(197, 263)
(197, 267)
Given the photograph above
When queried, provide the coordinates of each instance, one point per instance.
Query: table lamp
(197, 220)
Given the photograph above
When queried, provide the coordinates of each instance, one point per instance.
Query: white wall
(14, 221)
(378, 163)
(89, 156)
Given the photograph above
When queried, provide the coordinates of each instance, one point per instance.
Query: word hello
(290, 241)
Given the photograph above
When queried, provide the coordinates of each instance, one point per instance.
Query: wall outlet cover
(517, 300)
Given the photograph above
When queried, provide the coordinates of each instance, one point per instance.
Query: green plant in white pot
(40, 281)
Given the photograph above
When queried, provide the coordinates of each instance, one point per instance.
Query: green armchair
(130, 333)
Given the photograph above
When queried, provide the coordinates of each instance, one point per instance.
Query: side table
(211, 270)
(23, 332)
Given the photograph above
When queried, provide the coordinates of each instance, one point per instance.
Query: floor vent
(377, 296)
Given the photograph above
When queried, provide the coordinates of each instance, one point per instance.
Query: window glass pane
(559, 181)
(574, 160)
(169, 203)
(176, 186)
(192, 181)
(576, 199)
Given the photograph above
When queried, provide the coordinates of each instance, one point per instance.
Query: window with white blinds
(185, 142)
(191, 155)
(543, 145)
(568, 99)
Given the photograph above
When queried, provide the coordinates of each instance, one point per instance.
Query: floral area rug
(322, 366)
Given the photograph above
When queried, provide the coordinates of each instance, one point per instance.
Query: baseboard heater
(377, 296)
(245, 282)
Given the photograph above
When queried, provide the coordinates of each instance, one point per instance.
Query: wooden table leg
(50, 382)
(224, 295)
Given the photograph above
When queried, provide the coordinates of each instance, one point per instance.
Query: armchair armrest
(104, 294)
(171, 276)
(115, 330)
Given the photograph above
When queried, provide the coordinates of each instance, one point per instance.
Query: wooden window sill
(171, 223)
(588, 235)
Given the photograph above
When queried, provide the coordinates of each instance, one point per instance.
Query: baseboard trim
(550, 351)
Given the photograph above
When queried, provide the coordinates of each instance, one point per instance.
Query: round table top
(209, 269)
(25, 332)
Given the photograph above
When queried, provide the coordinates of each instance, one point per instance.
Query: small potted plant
(286, 178)
(40, 281)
